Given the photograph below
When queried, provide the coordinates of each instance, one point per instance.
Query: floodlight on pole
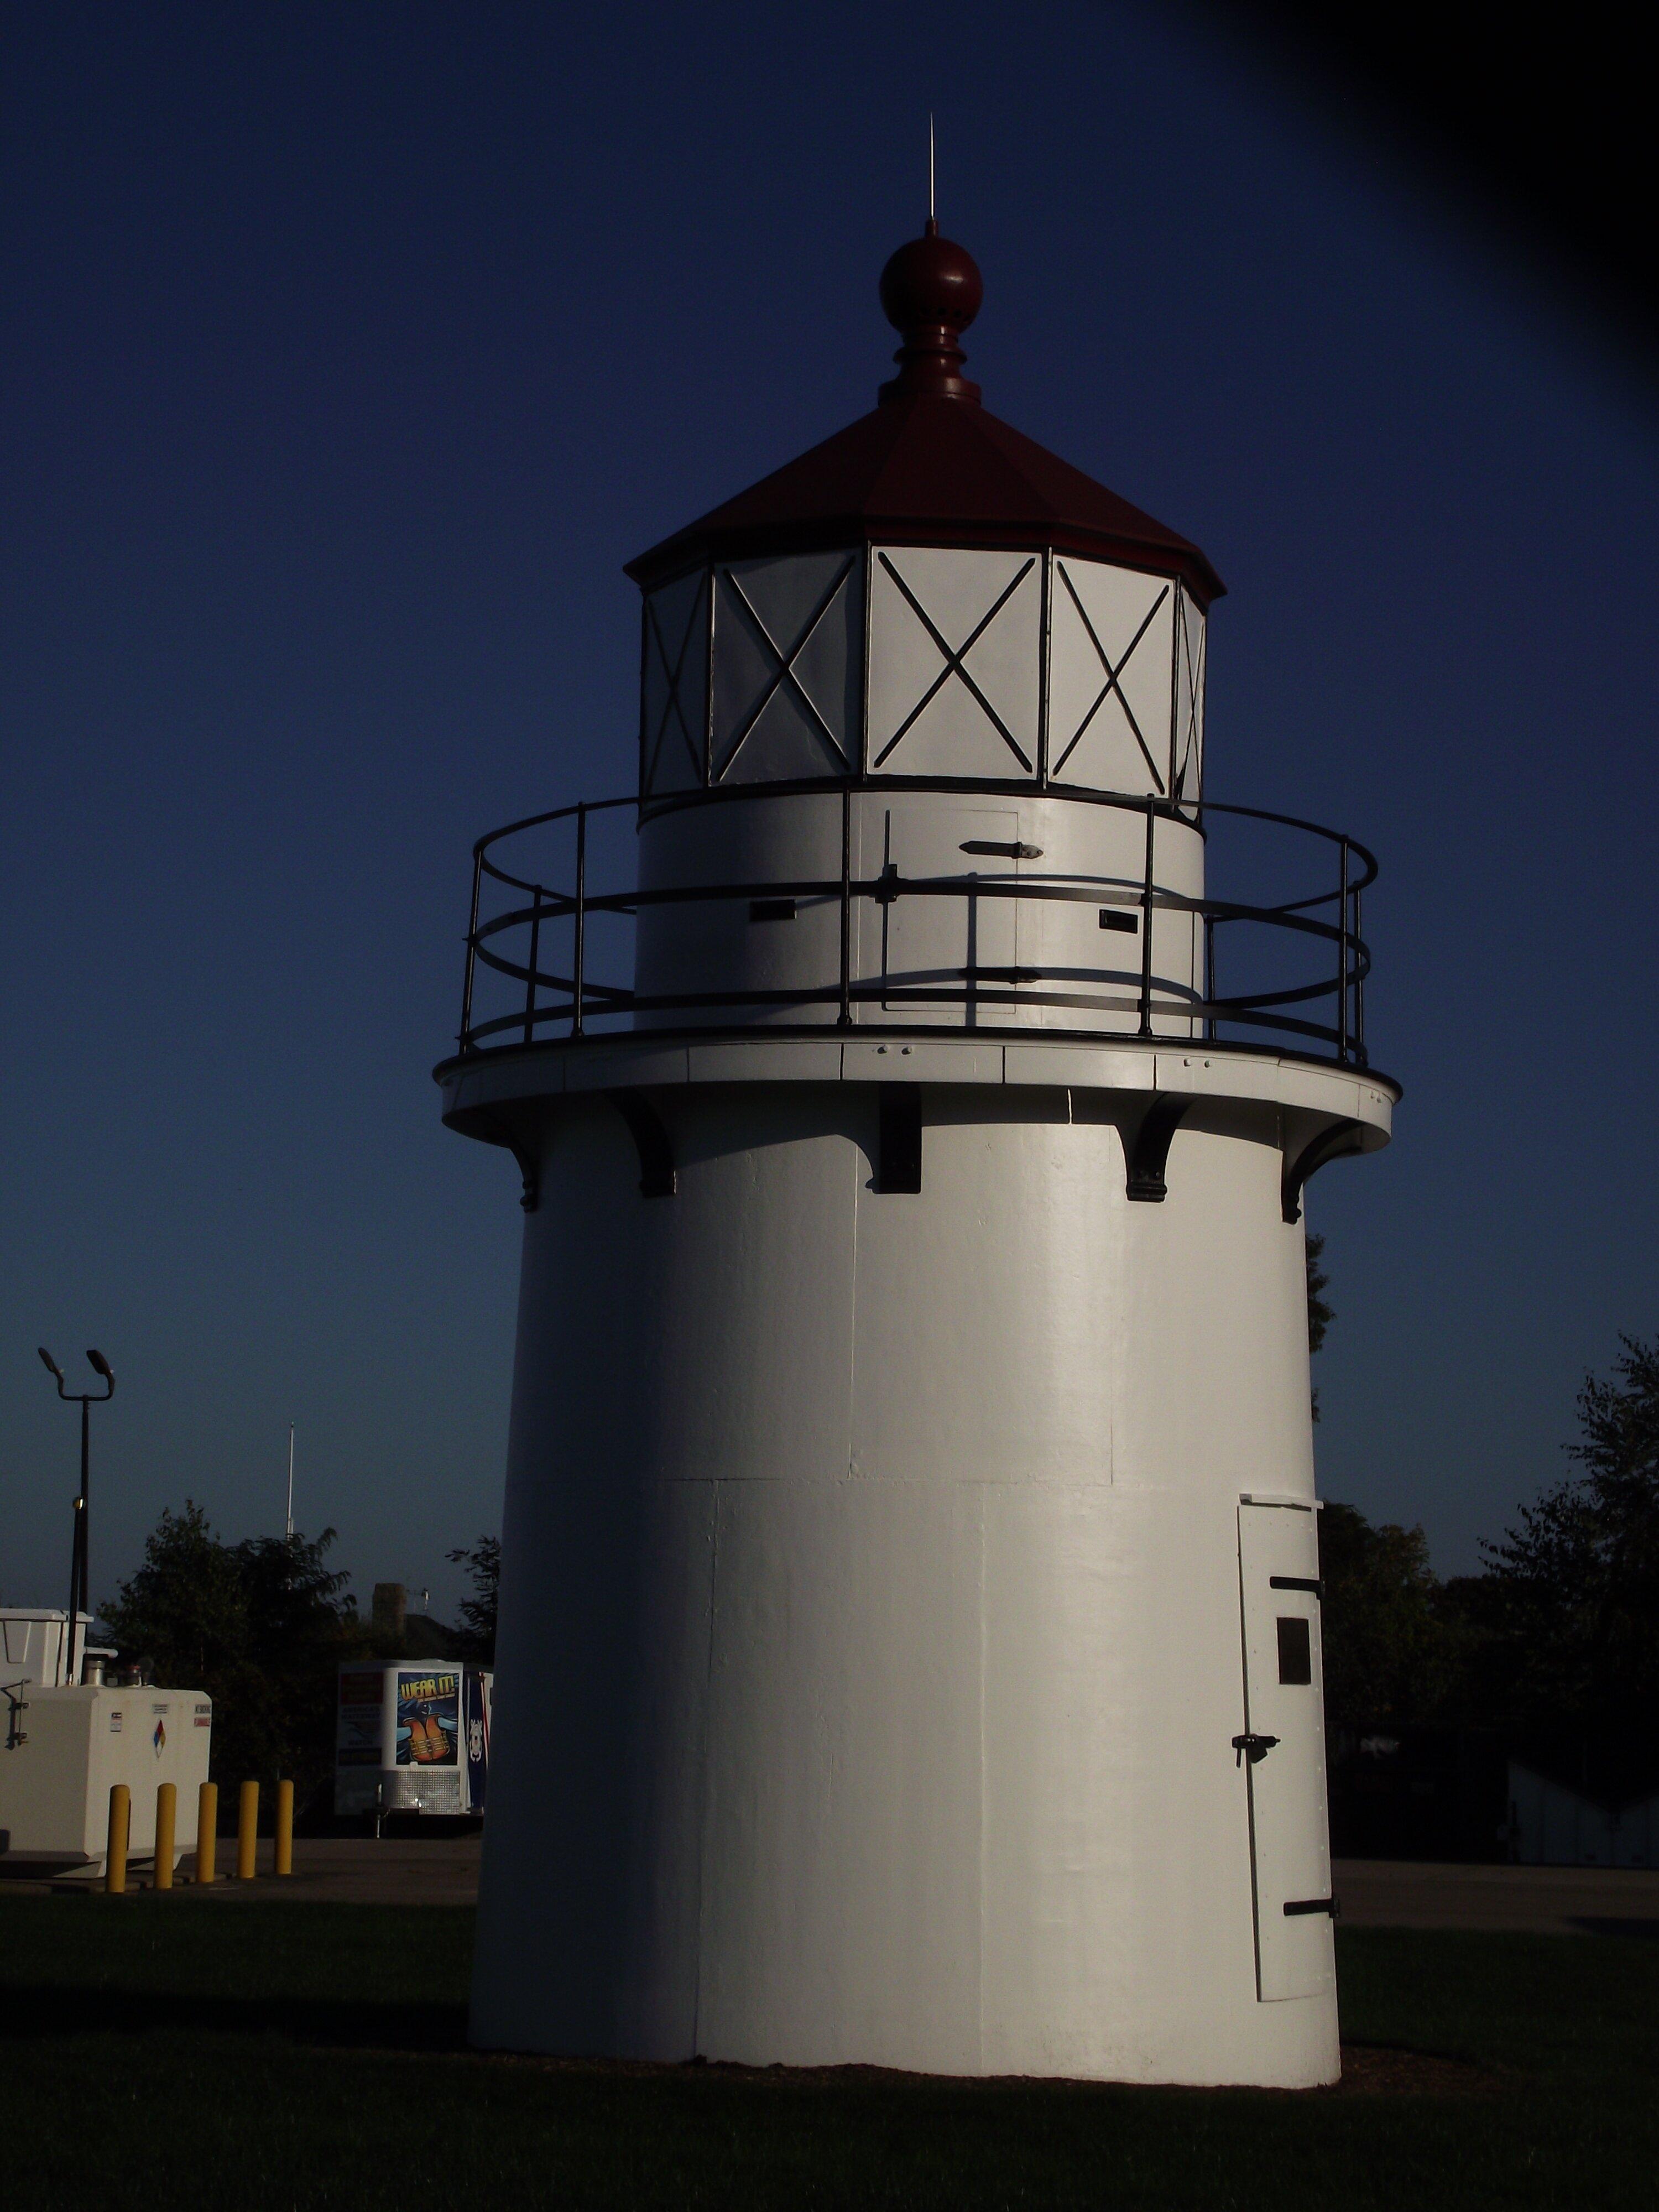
(79, 1573)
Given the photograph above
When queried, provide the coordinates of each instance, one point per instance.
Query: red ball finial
(931, 291)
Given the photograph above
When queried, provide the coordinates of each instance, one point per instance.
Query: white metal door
(958, 941)
(1284, 1748)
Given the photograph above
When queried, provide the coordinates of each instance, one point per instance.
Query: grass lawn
(170, 2052)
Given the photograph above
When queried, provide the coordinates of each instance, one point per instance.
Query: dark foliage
(1321, 1312)
(476, 1632)
(1554, 1649)
(258, 1626)
(1390, 1655)
(1570, 1598)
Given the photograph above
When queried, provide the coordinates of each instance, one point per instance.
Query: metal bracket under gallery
(1317, 1112)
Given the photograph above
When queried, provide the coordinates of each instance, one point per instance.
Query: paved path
(355, 1869)
(397, 1870)
(1375, 1893)
(1536, 1901)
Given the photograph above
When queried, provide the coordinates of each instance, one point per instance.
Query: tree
(1389, 1655)
(258, 1626)
(1320, 1315)
(183, 1611)
(1572, 1593)
(300, 1627)
(477, 1621)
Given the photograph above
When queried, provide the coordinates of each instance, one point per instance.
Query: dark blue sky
(350, 351)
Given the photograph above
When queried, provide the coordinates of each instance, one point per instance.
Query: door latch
(1253, 1747)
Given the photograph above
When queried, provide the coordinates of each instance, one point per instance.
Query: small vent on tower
(1295, 1650)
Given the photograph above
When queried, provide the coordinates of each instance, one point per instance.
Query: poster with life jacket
(429, 1716)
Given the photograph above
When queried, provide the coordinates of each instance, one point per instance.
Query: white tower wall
(873, 1643)
(1084, 936)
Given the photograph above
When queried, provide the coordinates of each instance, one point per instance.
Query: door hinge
(1253, 1747)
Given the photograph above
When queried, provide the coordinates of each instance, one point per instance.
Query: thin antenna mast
(932, 211)
(290, 1482)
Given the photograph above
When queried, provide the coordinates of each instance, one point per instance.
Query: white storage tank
(909, 1642)
(61, 1750)
(35, 1646)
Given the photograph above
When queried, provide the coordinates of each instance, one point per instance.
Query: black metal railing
(560, 1003)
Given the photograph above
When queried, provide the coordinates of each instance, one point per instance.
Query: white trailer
(412, 1737)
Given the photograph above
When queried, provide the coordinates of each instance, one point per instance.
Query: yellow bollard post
(167, 1805)
(283, 1859)
(115, 1849)
(247, 1831)
(207, 1833)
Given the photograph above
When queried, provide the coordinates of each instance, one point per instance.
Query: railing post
(472, 954)
(1342, 965)
(1146, 931)
(1358, 983)
(530, 981)
(581, 921)
(1209, 979)
(845, 1018)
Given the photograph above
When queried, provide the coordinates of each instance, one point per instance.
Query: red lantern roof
(930, 464)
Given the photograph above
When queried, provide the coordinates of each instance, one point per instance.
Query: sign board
(429, 1716)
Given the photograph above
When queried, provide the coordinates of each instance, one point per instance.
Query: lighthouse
(910, 1649)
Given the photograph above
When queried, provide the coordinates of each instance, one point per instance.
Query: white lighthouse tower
(909, 1647)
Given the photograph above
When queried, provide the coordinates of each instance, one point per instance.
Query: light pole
(80, 1599)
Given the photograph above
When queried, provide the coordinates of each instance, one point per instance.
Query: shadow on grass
(33, 2013)
(343, 2024)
